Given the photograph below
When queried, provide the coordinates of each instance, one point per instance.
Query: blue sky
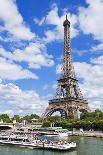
(31, 46)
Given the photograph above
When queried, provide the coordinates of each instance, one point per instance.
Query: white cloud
(0, 80)
(19, 101)
(35, 54)
(98, 60)
(45, 87)
(1, 39)
(87, 18)
(13, 21)
(58, 69)
(9, 112)
(39, 22)
(98, 47)
(11, 71)
(92, 83)
(91, 17)
(52, 18)
(79, 52)
(54, 86)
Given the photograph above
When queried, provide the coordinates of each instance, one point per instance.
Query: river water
(85, 146)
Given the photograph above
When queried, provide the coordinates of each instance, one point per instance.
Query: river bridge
(4, 126)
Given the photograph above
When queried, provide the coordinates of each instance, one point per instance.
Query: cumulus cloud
(59, 69)
(98, 47)
(90, 21)
(97, 60)
(91, 82)
(9, 112)
(35, 55)
(13, 21)
(12, 71)
(45, 87)
(87, 19)
(17, 101)
(91, 74)
(53, 18)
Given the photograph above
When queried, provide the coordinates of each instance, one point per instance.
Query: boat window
(27, 140)
(19, 139)
(3, 138)
(29, 129)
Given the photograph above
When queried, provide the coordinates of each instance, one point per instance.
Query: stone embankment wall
(87, 134)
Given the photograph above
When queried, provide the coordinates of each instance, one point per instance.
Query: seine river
(85, 146)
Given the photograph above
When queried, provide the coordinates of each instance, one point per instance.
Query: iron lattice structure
(68, 98)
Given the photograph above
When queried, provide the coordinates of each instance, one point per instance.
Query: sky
(31, 47)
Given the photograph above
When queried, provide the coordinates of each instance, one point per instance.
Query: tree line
(87, 121)
(7, 119)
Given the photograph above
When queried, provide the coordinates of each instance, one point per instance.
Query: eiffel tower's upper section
(67, 86)
(67, 67)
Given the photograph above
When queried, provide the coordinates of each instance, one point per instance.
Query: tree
(46, 124)
(5, 118)
(34, 116)
(27, 118)
(54, 118)
(17, 118)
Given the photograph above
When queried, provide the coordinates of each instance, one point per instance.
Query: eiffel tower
(68, 99)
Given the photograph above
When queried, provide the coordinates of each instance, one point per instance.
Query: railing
(65, 99)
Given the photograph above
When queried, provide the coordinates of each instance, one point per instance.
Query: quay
(96, 134)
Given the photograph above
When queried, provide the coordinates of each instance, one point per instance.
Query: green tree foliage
(34, 116)
(87, 121)
(5, 118)
(46, 124)
(30, 117)
(17, 118)
(54, 118)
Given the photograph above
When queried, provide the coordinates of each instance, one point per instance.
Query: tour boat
(48, 131)
(24, 141)
(53, 131)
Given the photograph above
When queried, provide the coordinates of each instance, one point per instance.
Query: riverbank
(88, 134)
(97, 134)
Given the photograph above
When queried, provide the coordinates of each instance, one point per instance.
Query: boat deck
(50, 145)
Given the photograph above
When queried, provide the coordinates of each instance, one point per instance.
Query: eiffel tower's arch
(52, 111)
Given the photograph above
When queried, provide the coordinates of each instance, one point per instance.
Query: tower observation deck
(68, 99)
